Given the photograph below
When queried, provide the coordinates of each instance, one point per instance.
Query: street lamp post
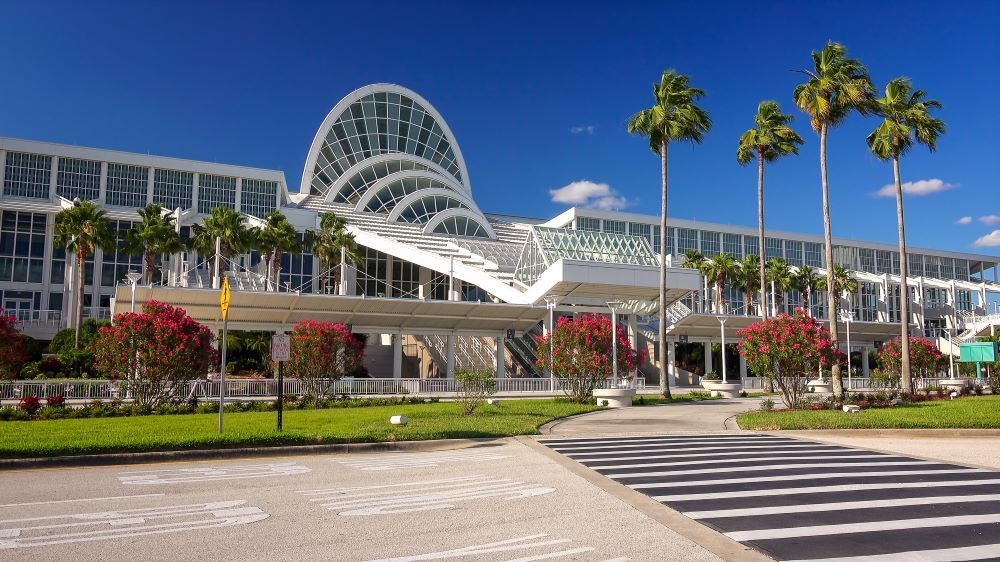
(550, 303)
(848, 317)
(133, 279)
(613, 305)
(722, 332)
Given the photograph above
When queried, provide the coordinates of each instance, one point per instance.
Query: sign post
(224, 307)
(281, 347)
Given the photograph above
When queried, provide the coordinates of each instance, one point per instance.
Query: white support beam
(500, 351)
(397, 356)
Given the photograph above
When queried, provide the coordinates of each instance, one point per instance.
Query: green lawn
(981, 412)
(336, 425)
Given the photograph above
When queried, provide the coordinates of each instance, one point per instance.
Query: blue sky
(536, 93)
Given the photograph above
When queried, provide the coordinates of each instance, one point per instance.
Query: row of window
(795, 252)
(29, 175)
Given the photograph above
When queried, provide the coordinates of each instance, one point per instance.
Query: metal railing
(93, 389)
(856, 383)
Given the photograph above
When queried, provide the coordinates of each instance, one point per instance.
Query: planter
(820, 386)
(723, 389)
(615, 397)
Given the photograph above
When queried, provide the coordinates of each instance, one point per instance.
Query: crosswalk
(397, 461)
(802, 500)
(212, 473)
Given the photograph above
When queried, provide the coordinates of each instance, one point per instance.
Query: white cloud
(589, 129)
(586, 193)
(964, 220)
(991, 239)
(919, 187)
(989, 219)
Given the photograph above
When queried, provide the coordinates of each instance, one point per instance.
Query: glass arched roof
(461, 226)
(423, 209)
(387, 196)
(356, 185)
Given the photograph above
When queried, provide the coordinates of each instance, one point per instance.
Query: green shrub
(766, 405)
(474, 387)
(13, 414)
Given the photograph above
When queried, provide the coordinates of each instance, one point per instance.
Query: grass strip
(974, 412)
(47, 438)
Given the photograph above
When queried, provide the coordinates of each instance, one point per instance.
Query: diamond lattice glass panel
(381, 123)
(548, 245)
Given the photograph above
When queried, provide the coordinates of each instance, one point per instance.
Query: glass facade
(116, 263)
(258, 197)
(614, 227)
(79, 178)
(173, 188)
(709, 243)
(22, 246)
(813, 254)
(127, 186)
(381, 123)
(421, 210)
(588, 223)
(773, 249)
(27, 175)
(732, 244)
(935, 298)
(215, 191)
(461, 226)
(687, 239)
(386, 197)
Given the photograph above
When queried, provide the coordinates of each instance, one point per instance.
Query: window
(127, 185)
(640, 229)
(915, 265)
(116, 263)
(297, 270)
(892, 303)
(935, 298)
(439, 286)
(670, 240)
(886, 262)
(423, 209)
(405, 279)
(215, 191)
(687, 239)
(22, 246)
(867, 305)
(732, 244)
(172, 188)
(588, 223)
(773, 249)
(472, 293)
(963, 300)
(710, 243)
(258, 197)
(933, 328)
(27, 175)
(793, 252)
(389, 195)
(814, 254)
(616, 227)
(750, 246)
(867, 258)
(947, 268)
(461, 226)
(371, 275)
(932, 266)
(962, 269)
(79, 178)
(359, 182)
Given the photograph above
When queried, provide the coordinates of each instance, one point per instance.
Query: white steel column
(397, 356)
(451, 357)
(501, 365)
(708, 357)
(103, 190)
(671, 368)
(743, 368)
(865, 370)
(633, 336)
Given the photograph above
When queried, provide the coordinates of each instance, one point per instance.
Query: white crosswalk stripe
(800, 500)
(552, 548)
(396, 461)
(212, 473)
(424, 495)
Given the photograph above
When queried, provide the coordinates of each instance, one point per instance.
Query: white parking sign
(281, 347)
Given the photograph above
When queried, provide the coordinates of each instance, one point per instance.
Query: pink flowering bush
(582, 353)
(321, 353)
(153, 354)
(787, 349)
(12, 352)
(925, 358)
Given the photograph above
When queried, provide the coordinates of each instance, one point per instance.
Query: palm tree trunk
(80, 258)
(838, 383)
(149, 268)
(276, 267)
(664, 383)
(904, 293)
(760, 233)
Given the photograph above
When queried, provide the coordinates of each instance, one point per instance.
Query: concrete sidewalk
(686, 417)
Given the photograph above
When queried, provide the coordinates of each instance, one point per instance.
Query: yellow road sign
(224, 297)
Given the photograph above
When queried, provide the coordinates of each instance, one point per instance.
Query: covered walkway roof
(701, 327)
(281, 311)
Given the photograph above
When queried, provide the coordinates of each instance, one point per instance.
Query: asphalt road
(804, 500)
(493, 503)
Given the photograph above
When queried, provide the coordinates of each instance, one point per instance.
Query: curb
(208, 454)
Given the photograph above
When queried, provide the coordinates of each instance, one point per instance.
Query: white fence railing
(91, 389)
(856, 383)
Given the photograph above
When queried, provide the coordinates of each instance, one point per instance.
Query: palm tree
(770, 139)
(693, 259)
(780, 276)
(806, 280)
(749, 281)
(229, 227)
(276, 237)
(719, 269)
(334, 246)
(674, 117)
(843, 282)
(81, 229)
(154, 236)
(905, 117)
(836, 87)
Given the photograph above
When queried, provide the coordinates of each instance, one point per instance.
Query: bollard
(398, 420)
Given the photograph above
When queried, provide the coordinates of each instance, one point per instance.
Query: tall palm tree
(750, 282)
(769, 139)
(154, 236)
(229, 227)
(719, 269)
(844, 282)
(835, 87)
(81, 229)
(906, 118)
(334, 246)
(780, 277)
(276, 237)
(807, 281)
(674, 117)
